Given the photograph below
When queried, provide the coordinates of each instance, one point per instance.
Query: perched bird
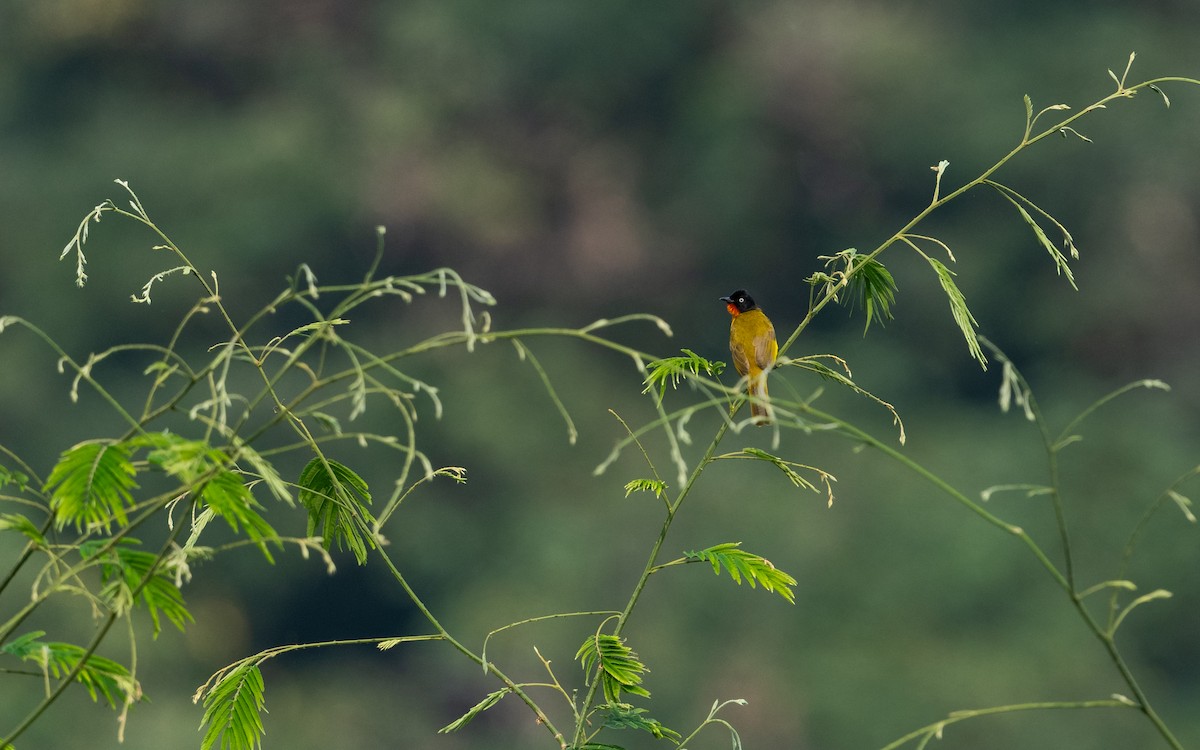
(753, 346)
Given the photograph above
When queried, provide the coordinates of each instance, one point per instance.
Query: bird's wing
(766, 348)
(740, 361)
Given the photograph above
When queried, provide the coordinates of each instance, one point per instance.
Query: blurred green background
(585, 160)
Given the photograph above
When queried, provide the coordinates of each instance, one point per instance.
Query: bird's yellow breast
(752, 342)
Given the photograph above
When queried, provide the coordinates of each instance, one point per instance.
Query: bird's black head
(740, 300)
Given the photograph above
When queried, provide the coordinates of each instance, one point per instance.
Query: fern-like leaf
(103, 678)
(875, 289)
(229, 497)
(958, 308)
(21, 524)
(789, 469)
(870, 282)
(207, 470)
(1021, 203)
(488, 701)
(607, 658)
(813, 363)
(625, 716)
(740, 564)
(656, 486)
(266, 474)
(233, 709)
(123, 568)
(90, 485)
(670, 370)
(336, 499)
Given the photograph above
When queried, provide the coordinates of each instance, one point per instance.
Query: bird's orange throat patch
(732, 308)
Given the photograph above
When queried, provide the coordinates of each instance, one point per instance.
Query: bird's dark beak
(727, 301)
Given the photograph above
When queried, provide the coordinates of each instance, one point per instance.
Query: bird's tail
(760, 409)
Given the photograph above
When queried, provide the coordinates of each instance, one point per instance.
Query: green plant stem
(97, 639)
(1060, 518)
(935, 729)
(938, 201)
(1138, 529)
(35, 714)
(542, 718)
(83, 372)
(26, 554)
(153, 506)
(1142, 702)
(1052, 446)
(648, 570)
(868, 439)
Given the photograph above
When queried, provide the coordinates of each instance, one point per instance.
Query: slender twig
(935, 729)
(97, 639)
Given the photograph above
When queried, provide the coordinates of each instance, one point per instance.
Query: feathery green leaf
(786, 467)
(958, 308)
(657, 486)
(103, 678)
(488, 701)
(22, 524)
(625, 716)
(607, 658)
(875, 289)
(1020, 202)
(813, 363)
(208, 471)
(870, 282)
(90, 485)
(741, 564)
(670, 370)
(233, 710)
(123, 567)
(336, 499)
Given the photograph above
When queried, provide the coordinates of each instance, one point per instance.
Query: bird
(754, 348)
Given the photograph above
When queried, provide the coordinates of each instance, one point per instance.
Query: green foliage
(813, 363)
(233, 709)
(958, 309)
(671, 370)
(21, 524)
(1020, 202)
(103, 678)
(625, 716)
(655, 486)
(197, 464)
(606, 658)
(336, 499)
(314, 376)
(757, 570)
(131, 576)
(91, 485)
(14, 478)
(489, 700)
(712, 719)
(876, 291)
(871, 284)
(789, 470)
